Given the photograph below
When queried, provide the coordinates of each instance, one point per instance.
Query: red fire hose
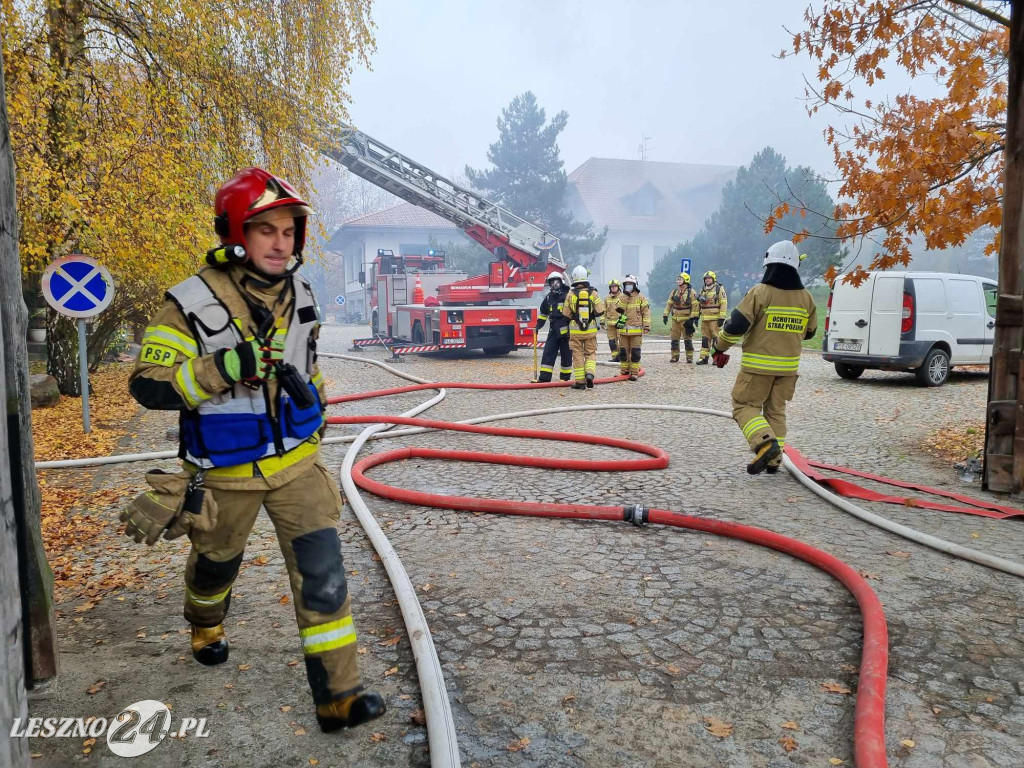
(869, 712)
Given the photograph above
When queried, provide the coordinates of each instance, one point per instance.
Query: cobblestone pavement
(570, 643)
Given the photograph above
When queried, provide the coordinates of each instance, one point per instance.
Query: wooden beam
(13, 701)
(1009, 339)
(36, 577)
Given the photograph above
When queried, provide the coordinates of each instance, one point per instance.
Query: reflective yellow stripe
(317, 378)
(542, 317)
(795, 310)
(754, 425)
(206, 600)
(781, 441)
(546, 369)
(169, 337)
(327, 637)
(631, 331)
(729, 337)
(190, 388)
(268, 466)
(771, 362)
(578, 332)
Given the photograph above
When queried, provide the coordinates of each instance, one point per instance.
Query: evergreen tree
(733, 241)
(527, 176)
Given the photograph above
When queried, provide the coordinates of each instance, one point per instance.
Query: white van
(924, 322)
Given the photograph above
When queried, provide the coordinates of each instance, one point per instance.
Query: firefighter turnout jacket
(682, 304)
(771, 324)
(582, 309)
(638, 313)
(237, 433)
(551, 310)
(714, 302)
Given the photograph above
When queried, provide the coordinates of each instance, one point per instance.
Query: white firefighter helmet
(783, 252)
(630, 279)
(580, 274)
(555, 276)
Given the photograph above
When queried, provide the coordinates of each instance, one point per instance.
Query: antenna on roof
(644, 150)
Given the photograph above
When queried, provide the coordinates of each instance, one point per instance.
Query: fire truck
(417, 304)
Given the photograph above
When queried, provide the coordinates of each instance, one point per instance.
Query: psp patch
(158, 355)
(786, 322)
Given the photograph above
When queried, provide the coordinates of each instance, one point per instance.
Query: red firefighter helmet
(252, 192)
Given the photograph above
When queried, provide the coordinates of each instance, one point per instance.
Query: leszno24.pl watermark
(137, 729)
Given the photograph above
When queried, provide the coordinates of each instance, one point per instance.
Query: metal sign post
(77, 286)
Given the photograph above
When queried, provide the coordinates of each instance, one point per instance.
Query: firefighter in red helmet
(233, 350)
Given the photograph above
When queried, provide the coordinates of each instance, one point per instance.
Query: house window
(630, 259)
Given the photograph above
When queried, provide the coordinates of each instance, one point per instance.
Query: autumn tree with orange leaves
(911, 169)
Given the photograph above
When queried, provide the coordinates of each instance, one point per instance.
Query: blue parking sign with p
(684, 266)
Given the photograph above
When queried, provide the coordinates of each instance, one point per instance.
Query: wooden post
(13, 701)
(36, 577)
(1004, 438)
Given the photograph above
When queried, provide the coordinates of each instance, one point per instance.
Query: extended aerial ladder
(522, 248)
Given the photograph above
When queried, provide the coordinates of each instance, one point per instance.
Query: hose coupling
(635, 514)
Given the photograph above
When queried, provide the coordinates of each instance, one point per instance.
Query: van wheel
(934, 370)
(849, 371)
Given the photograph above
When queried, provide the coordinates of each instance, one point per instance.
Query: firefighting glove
(540, 324)
(146, 517)
(664, 319)
(719, 358)
(621, 322)
(721, 322)
(252, 361)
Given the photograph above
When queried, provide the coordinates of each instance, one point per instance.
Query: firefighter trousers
(305, 514)
(557, 344)
(613, 339)
(759, 406)
(584, 355)
(680, 330)
(709, 335)
(629, 353)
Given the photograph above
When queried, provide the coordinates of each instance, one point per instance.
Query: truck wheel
(934, 370)
(417, 333)
(849, 371)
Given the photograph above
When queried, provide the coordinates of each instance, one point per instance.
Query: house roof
(404, 215)
(679, 195)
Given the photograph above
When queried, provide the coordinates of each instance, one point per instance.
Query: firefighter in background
(583, 310)
(233, 349)
(634, 320)
(685, 310)
(557, 342)
(610, 302)
(776, 316)
(713, 307)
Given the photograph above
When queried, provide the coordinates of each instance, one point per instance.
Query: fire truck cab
(405, 307)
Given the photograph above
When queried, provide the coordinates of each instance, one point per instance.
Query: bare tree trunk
(36, 577)
(13, 702)
(65, 20)
(1004, 436)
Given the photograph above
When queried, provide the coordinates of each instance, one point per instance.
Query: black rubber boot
(702, 361)
(350, 712)
(579, 385)
(590, 381)
(209, 645)
(766, 453)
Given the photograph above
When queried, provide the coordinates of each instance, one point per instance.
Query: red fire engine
(419, 305)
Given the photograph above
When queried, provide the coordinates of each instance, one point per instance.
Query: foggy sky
(700, 78)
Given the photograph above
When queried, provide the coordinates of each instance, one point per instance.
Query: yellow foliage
(127, 116)
(911, 167)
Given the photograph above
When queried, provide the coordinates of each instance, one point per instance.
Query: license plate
(847, 346)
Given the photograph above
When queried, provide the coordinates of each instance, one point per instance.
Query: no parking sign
(79, 287)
